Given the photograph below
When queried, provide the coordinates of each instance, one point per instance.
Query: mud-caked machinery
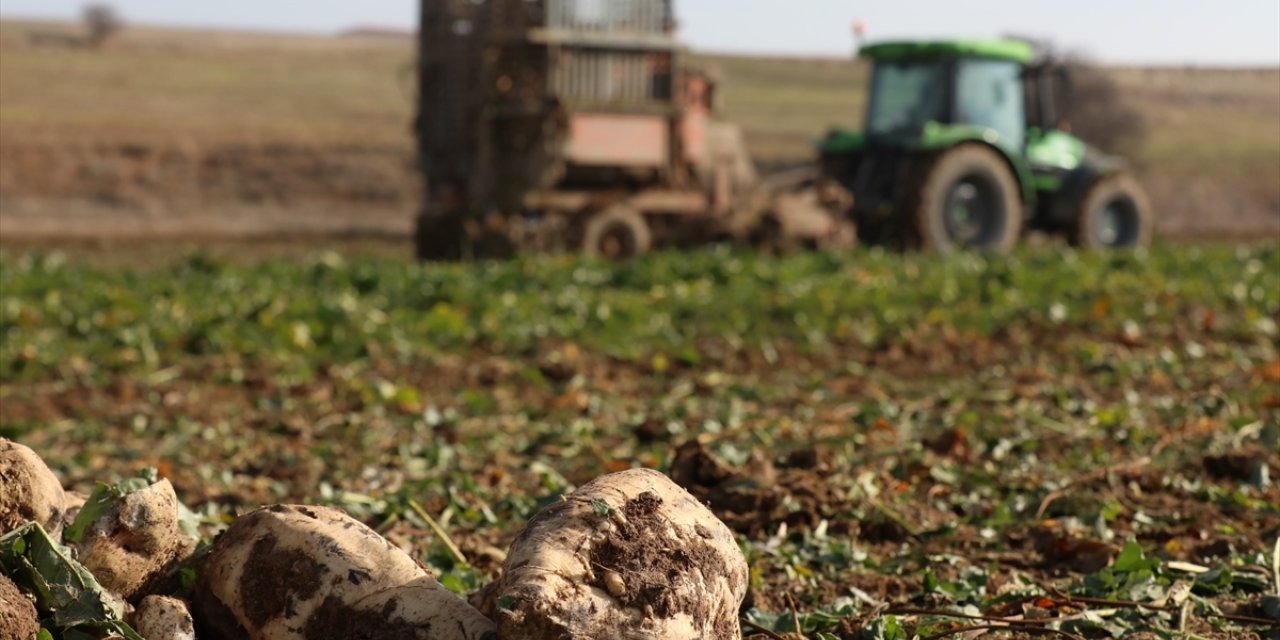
(576, 125)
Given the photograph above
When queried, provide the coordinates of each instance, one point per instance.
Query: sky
(1164, 32)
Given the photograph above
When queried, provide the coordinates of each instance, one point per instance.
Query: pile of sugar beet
(627, 556)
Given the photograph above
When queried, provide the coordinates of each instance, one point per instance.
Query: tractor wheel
(967, 199)
(618, 233)
(1114, 214)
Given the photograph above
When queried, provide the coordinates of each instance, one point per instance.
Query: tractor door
(990, 94)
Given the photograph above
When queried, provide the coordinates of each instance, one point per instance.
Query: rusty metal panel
(607, 139)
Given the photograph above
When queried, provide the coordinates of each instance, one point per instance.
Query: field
(899, 441)
(204, 269)
(192, 135)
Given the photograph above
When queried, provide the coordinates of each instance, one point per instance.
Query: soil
(18, 618)
(637, 565)
(758, 497)
(273, 580)
(335, 620)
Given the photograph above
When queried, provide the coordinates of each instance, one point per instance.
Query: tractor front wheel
(618, 233)
(1114, 214)
(967, 198)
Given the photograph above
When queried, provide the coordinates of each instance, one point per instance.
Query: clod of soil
(420, 610)
(627, 555)
(135, 540)
(758, 497)
(31, 491)
(1250, 466)
(277, 571)
(163, 618)
(18, 617)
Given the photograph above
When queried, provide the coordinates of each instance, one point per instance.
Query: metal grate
(615, 16)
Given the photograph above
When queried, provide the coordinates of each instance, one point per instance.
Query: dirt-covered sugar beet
(135, 540)
(314, 573)
(29, 492)
(627, 555)
(163, 618)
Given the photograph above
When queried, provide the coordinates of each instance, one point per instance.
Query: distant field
(170, 124)
(204, 88)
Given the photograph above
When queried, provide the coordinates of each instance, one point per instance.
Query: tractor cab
(962, 147)
(922, 87)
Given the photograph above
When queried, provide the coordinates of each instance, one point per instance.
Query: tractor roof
(1014, 50)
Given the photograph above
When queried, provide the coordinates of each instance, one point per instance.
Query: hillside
(186, 132)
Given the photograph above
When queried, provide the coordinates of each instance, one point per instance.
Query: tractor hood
(933, 136)
(1013, 50)
(841, 141)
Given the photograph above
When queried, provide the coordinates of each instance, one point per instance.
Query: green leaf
(105, 496)
(1215, 581)
(1133, 559)
(886, 628)
(66, 594)
(602, 508)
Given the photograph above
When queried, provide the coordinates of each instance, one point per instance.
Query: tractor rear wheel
(618, 233)
(967, 198)
(1114, 214)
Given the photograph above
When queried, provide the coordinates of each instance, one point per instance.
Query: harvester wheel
(1114, 214)
(617, 233)
(439, 238)
(967, 199)
(770, 237)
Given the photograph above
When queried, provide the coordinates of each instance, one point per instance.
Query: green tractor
(963, 149)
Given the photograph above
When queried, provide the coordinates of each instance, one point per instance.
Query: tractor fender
(1075, 186)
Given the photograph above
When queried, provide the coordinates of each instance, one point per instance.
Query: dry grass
(188, 86)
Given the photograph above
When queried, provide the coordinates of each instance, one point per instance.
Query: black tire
(1114, 214)
(967, 198)
(618, 233)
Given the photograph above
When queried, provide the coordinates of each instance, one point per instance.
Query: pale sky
(1167, 32)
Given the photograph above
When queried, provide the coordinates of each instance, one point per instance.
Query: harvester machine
(577, 125)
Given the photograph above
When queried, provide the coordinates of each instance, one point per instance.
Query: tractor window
(989, 93)
(906, 95)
